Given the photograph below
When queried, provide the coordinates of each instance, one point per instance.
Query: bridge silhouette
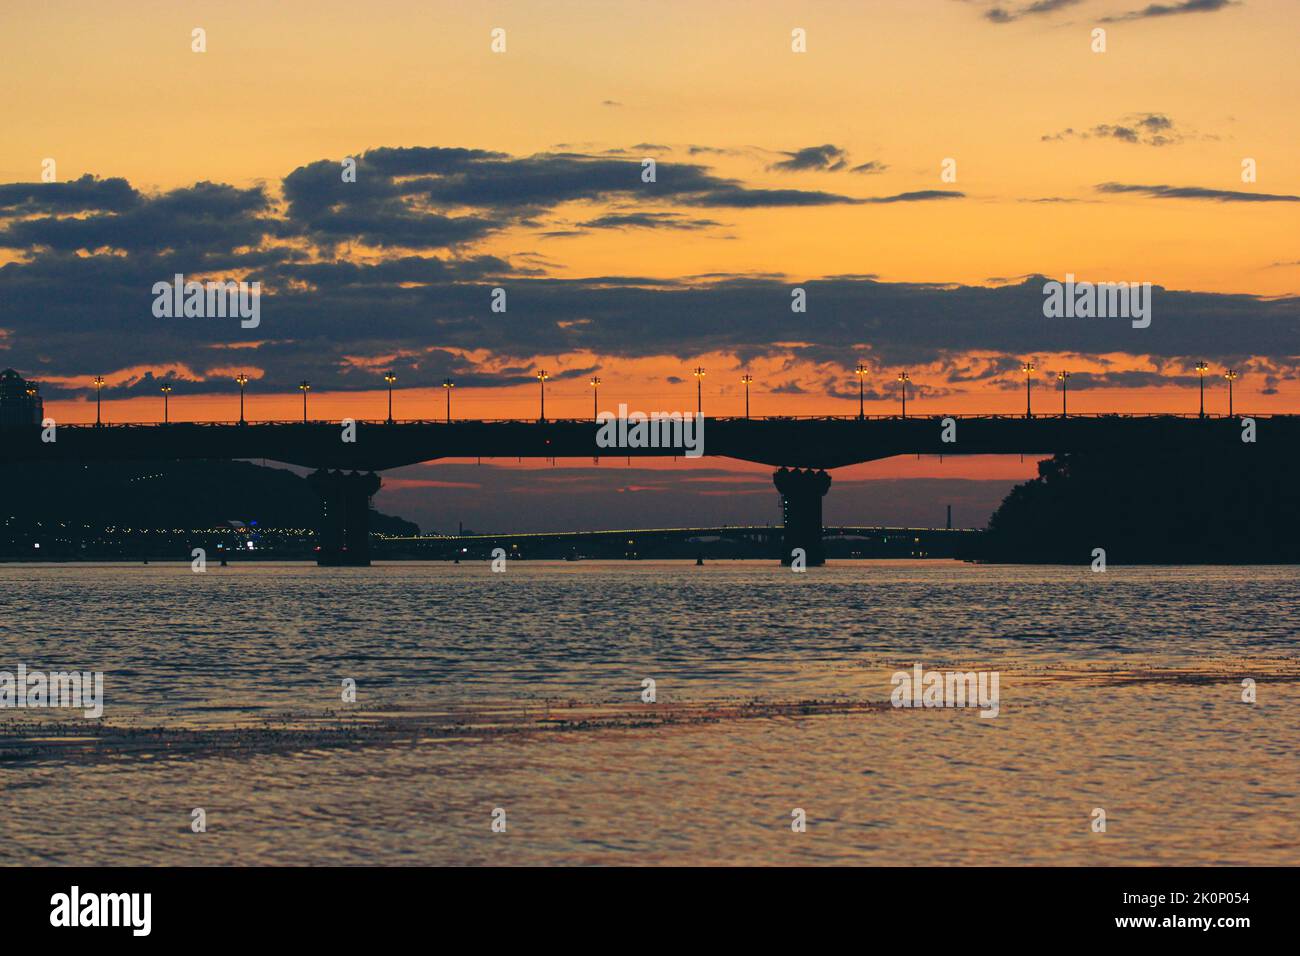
(802, 449)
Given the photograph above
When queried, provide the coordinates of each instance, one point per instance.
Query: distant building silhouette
(16, 406)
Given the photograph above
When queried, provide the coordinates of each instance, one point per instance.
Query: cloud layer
(386, 270)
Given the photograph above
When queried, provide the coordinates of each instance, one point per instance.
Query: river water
(522, 693)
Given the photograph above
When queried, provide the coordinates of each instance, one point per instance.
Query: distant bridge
(802, 449)
(727, 542)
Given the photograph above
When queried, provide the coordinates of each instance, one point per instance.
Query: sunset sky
(775, 170)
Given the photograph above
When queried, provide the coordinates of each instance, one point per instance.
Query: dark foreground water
(522, 691)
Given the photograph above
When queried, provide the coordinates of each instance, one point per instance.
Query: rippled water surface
(522, 691)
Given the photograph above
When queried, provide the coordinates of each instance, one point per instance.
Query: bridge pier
(801, 504)
(345, 516)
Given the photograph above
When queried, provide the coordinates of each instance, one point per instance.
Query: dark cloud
(80, 316)
(1195, 192)
(400, 198)
(790, 387)
(86, 193)
(427, 160)
(417, 198)
(869, 168)
(198, 219)
(1171, 9)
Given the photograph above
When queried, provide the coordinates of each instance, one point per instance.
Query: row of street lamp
(746, 379)
(1064, 378)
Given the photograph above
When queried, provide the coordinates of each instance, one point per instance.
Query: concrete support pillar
(344, 534)
(801, 505)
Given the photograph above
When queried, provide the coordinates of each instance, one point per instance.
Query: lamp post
(447, 386)
(99, 385)
(902, 387)
(1028, 369)
(699, 396)
(861, 371)
(242, 379)
(595, 397)
(1064, 379)
(167, 391)
(1201, 369)
(542, 376)
(304, 386)
(747, 378)
(1231, 376)
(390, 378)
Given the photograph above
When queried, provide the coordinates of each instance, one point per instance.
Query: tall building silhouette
(16, 406)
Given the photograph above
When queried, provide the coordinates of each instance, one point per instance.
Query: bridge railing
(936, 416)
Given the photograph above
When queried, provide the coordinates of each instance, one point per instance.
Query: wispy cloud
(1195, 192)
(827, 158)
(1057, 199)
(1171, 9)
(920, 195)
(648, 220)
(1005, 15)
(1145, 129)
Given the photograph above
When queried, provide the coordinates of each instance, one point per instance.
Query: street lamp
(99, 385)
(902, 387)
(390, 378)
(746, 378)
(595, 397)
(304, 386)
(167, 391)
(542, 376)
(1201, 369)
(1064, 379)
(860, 371)
(1231, 376)
(699, 381)
(447, 386)
(242, 379)
(1028, 369)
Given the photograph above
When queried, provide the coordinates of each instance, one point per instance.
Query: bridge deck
(791, 442)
